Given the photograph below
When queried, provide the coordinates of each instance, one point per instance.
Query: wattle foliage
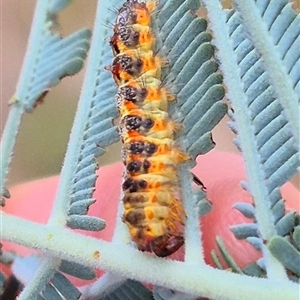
(254, 48)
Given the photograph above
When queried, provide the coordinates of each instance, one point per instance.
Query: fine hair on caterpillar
(153, 211)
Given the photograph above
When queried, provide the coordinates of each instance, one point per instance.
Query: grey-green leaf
(49, 57)
(128, 291)
(242, 231)
(85, 222)
(227, 257)
(285, 253)
(65, 287)
(50, 293)
(296, 236)
(97, 110)
(77, 270)
(192, 74)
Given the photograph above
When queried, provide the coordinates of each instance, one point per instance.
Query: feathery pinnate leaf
(275, 141)
(247, 45)
(252, 269)
(60, 288)
(85, 222)
(204, 206)
(286, 253)
(192, 74)
(55, 285)
(98, 110)
(226, 256)
(246, 209)
(49, 57)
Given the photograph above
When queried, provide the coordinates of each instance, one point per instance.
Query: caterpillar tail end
(165, 245)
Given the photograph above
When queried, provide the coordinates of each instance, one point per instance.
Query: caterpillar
(153, 211)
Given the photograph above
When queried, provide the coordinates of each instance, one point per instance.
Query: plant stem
(193, 242)
(192, 278)
(41, 277)
(9, 139)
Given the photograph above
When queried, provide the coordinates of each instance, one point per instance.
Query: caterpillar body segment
(153, 201)
(153, 211)
(154, 165)
(134, 12)
(147, 146)
(157, 229)
(131, 64)
(154, 219)
(160, 197)
(132, 37)
(147, 94)
(132, 27)
(147, 182)
(155, 124)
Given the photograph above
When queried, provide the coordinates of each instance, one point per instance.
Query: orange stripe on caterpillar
(131, 64)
